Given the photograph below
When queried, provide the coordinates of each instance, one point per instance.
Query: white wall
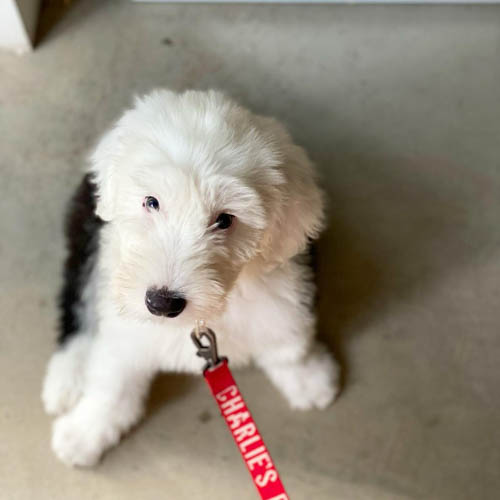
(18, 20)
(352, 2)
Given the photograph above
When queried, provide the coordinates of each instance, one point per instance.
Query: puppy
(192, 208)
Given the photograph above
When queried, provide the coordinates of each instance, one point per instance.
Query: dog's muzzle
(162, 302)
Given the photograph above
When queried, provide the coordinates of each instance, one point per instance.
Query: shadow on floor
(396, 227)
(52, 12)
(166, 388)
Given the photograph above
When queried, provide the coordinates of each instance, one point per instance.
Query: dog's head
(197, 190)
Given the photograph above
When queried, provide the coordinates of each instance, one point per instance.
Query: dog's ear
(103, 167)
(298, 213)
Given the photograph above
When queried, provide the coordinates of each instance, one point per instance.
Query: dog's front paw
(317, 385)
(311, 383)
(80, 441)
(63, 382)
(311, 394)
(62, 387)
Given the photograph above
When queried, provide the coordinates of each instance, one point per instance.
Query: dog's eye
(151, 203)
(224, 221)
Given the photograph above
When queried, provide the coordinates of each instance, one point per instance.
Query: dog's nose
(162, 302)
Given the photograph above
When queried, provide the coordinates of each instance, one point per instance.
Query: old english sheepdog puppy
(192, 208)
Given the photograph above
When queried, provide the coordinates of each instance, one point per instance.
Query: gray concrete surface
(400, 108)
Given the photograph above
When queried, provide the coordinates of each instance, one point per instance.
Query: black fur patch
(82, 228)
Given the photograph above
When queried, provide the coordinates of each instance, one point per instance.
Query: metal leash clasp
(207, 352)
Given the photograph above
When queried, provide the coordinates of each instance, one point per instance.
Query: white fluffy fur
(198, 153)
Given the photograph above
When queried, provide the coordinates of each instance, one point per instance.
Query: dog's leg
(310, 381)
(283, 340)
(112, 401)
(63, 382)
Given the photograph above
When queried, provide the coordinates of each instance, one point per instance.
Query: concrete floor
(400, 108)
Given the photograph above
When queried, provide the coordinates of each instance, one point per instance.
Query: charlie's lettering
(269, 476)
(244, 431)
(260, 460)
(254, 452)
(245, 444)
(221, 396)
(236, 419)
(232, 405)
(250, 443)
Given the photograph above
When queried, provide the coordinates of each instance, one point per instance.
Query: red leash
(238, 418)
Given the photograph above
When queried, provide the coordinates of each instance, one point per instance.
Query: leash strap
(239, 419)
